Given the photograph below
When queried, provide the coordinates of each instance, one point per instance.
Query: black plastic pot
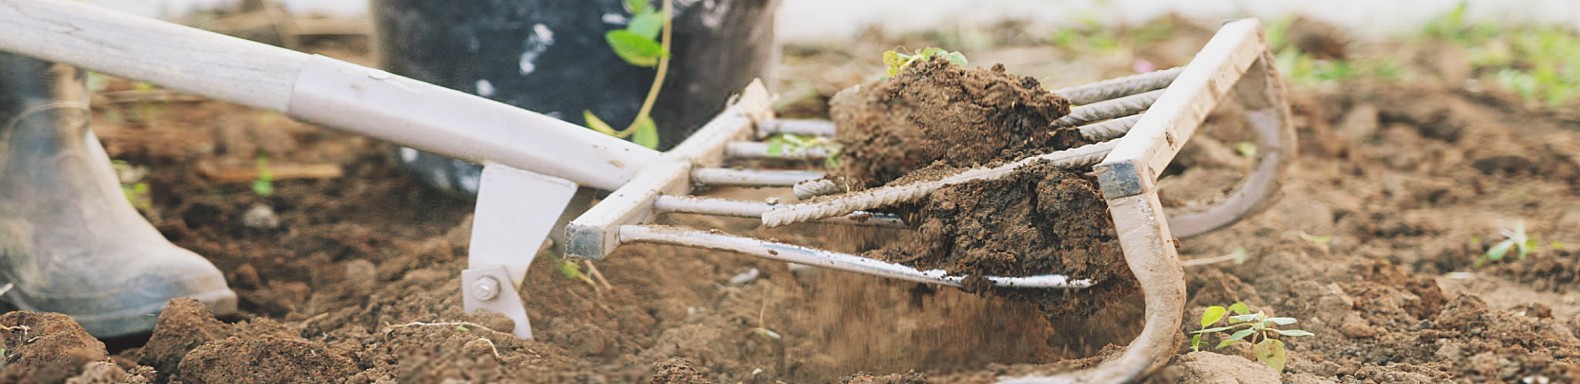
(550, 56)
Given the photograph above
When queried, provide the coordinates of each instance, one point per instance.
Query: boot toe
(127, 298)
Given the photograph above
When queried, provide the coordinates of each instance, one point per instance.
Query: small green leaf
(569, 269)
(1244, 318)
(462, 328)
(894, 61)
(646, 133)
(1241, 334)
(636, 6)
(1240, 308)
(776, 148)
(1195, 342)
(1281, 320)
(597, 124)
(1295, 333)
(957, 58)
(1225, 343)
(1270, 352)
(635, 49)
(1499, 250)
(1557, 245)
(1213, 314)
(646, 24)
(1214, 329)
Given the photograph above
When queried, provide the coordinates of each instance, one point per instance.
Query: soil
(1410, 178)
(1039, 220)
(935, 113)
(935, 117)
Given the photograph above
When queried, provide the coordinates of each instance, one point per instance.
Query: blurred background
(815, 20)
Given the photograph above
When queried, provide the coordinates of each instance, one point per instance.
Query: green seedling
(1513, 240)
(790, 144)
(263, 185)
(639, 44)
(1316, 239)
(570, 270)
(1256, 328)
(897, 60)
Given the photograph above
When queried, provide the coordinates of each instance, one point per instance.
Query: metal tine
(786, 214)
(659, 234)
(755, 209)
(752, 177)
(1119, 87)
(1108, 109)
(1124, 97)
(812, 127)
(760, 150)
(1099, 132)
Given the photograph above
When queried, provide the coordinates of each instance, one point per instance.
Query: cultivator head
(534, 164)
(1139, 124)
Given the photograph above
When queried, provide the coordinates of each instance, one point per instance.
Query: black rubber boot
(550, 56)
(69, 240)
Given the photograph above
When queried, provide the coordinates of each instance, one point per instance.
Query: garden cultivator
(534, 164)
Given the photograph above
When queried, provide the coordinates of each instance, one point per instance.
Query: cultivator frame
(534, 163)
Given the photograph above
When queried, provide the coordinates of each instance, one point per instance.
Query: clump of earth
(936, 118)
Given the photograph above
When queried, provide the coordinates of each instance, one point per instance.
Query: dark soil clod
(937, 117)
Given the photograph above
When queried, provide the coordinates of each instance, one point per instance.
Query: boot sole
(140, 319)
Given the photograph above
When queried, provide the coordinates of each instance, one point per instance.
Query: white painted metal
(895, 194)
(516, 210)
(1129, 183)
(1262, 98)
(760, 150)
(795, 127)
(1173, 119)
(503, 300)
(755, 209)
(658, 234)
(317, 89)
(173, 56)
(595, 233)
(448, 122)
(752, 177)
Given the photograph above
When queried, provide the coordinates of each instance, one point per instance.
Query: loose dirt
(935, 113)
(935, 118)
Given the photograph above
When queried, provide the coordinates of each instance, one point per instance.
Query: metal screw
(485, 288)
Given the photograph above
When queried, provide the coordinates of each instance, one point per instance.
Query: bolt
(485, 288)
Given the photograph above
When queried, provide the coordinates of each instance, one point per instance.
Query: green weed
(639, 44)
(1256, 328)
(897, 60)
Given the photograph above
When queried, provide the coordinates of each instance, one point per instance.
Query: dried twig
(598, 275)
(391, 328)
(276, 172)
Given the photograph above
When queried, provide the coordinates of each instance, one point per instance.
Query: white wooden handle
(173, 56)
(333, 93)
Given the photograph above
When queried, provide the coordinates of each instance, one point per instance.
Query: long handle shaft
(316, 89)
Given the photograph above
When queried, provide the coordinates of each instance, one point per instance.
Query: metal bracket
(516, 209)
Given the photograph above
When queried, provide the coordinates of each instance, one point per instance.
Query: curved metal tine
(1268, 114)
(658, 234)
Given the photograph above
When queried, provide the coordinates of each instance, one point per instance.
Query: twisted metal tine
(1111, 129)
(781, 215)
(1108, 109)
(1119, 87)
